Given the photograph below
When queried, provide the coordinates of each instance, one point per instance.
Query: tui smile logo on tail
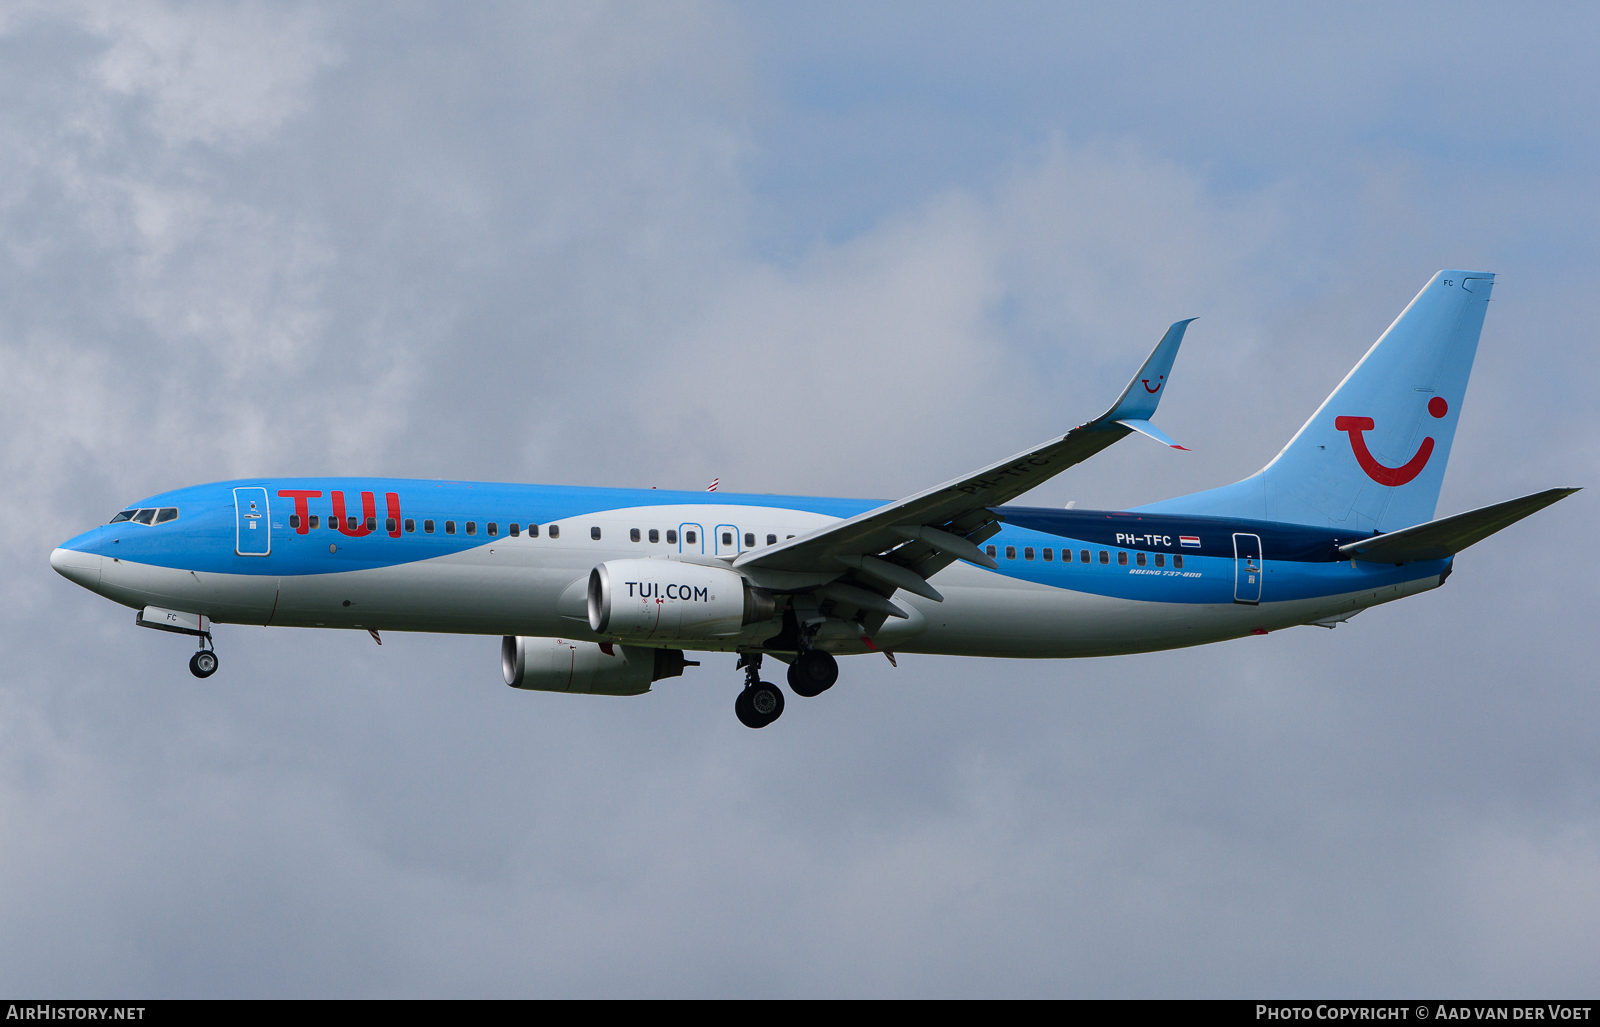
(1160, 381)
(1380, 473)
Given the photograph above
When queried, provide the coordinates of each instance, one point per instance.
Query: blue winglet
(1139, 400)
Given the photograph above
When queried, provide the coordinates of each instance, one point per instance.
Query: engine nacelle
(563, 665)
(651, 599)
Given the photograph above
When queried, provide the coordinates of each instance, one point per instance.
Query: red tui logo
(1393, 477)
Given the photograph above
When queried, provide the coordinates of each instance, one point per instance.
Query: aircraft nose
(78, 567)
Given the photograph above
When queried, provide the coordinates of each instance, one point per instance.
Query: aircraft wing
(1435, 540)
(902, 544)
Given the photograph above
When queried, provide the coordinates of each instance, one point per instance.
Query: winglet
(1139, 400)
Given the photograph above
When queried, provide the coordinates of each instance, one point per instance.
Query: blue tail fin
(1373, 455)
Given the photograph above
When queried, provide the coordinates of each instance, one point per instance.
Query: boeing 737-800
(602, 591)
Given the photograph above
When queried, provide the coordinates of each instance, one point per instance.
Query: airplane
(605, 590)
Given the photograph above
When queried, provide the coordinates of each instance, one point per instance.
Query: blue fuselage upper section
(316, 526)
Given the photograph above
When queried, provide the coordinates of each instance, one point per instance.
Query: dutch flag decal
(1189, 541)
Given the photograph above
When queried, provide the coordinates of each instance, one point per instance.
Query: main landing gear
(813, 672)
(761, 702)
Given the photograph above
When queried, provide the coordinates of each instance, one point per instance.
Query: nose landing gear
(203, 664)
(761, 702)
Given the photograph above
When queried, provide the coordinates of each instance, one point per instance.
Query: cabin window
(1139, 559)
(168, 513)
(389, 524)
(294, 520)
(788, 536)
(449, 527)
(672, 536)
(372, 524)
(350, 523)
(1049, 554)
(594, 533)
(533, 531)
(1177, 560)
(126, 515)
(472, 527)
(1083, 556)
(772, 540)
(494, 528)
(411, 526)
(1161, 559)
(1105, 557)
(655, 535)
(1011, 552)
(427, 526)
(333, 524)
(689, 537)
(315, 523)
(1122, 558)
(555, 531)
(516, 530)
(144, 516)
(749, 539)
(727, 538)
(990, 551)
(633, 534)
(1027, 552)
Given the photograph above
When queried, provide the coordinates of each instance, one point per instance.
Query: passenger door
(1247, 569)
(252, 522)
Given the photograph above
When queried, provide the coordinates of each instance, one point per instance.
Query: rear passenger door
(1247, 569)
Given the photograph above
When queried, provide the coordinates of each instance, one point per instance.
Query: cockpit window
(144, 516)
(166, 513)
(123, 516)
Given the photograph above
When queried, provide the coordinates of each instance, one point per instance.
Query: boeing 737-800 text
(602, 590)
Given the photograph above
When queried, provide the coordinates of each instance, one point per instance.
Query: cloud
(219, 75)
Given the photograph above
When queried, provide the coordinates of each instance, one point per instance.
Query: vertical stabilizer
(1373, 455)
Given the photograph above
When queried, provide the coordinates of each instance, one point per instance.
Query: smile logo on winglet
(1383, 475)
(1160, 381)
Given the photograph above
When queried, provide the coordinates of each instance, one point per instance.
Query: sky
(827, 248)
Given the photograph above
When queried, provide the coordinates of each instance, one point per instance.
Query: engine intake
(563, 665)
(655, 599)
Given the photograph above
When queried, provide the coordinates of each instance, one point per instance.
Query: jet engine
(651, 599)
(563, 665)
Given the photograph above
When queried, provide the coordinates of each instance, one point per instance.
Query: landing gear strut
(761, 702)
(813, 672)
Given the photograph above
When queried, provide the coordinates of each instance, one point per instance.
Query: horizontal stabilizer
(1448, 536)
